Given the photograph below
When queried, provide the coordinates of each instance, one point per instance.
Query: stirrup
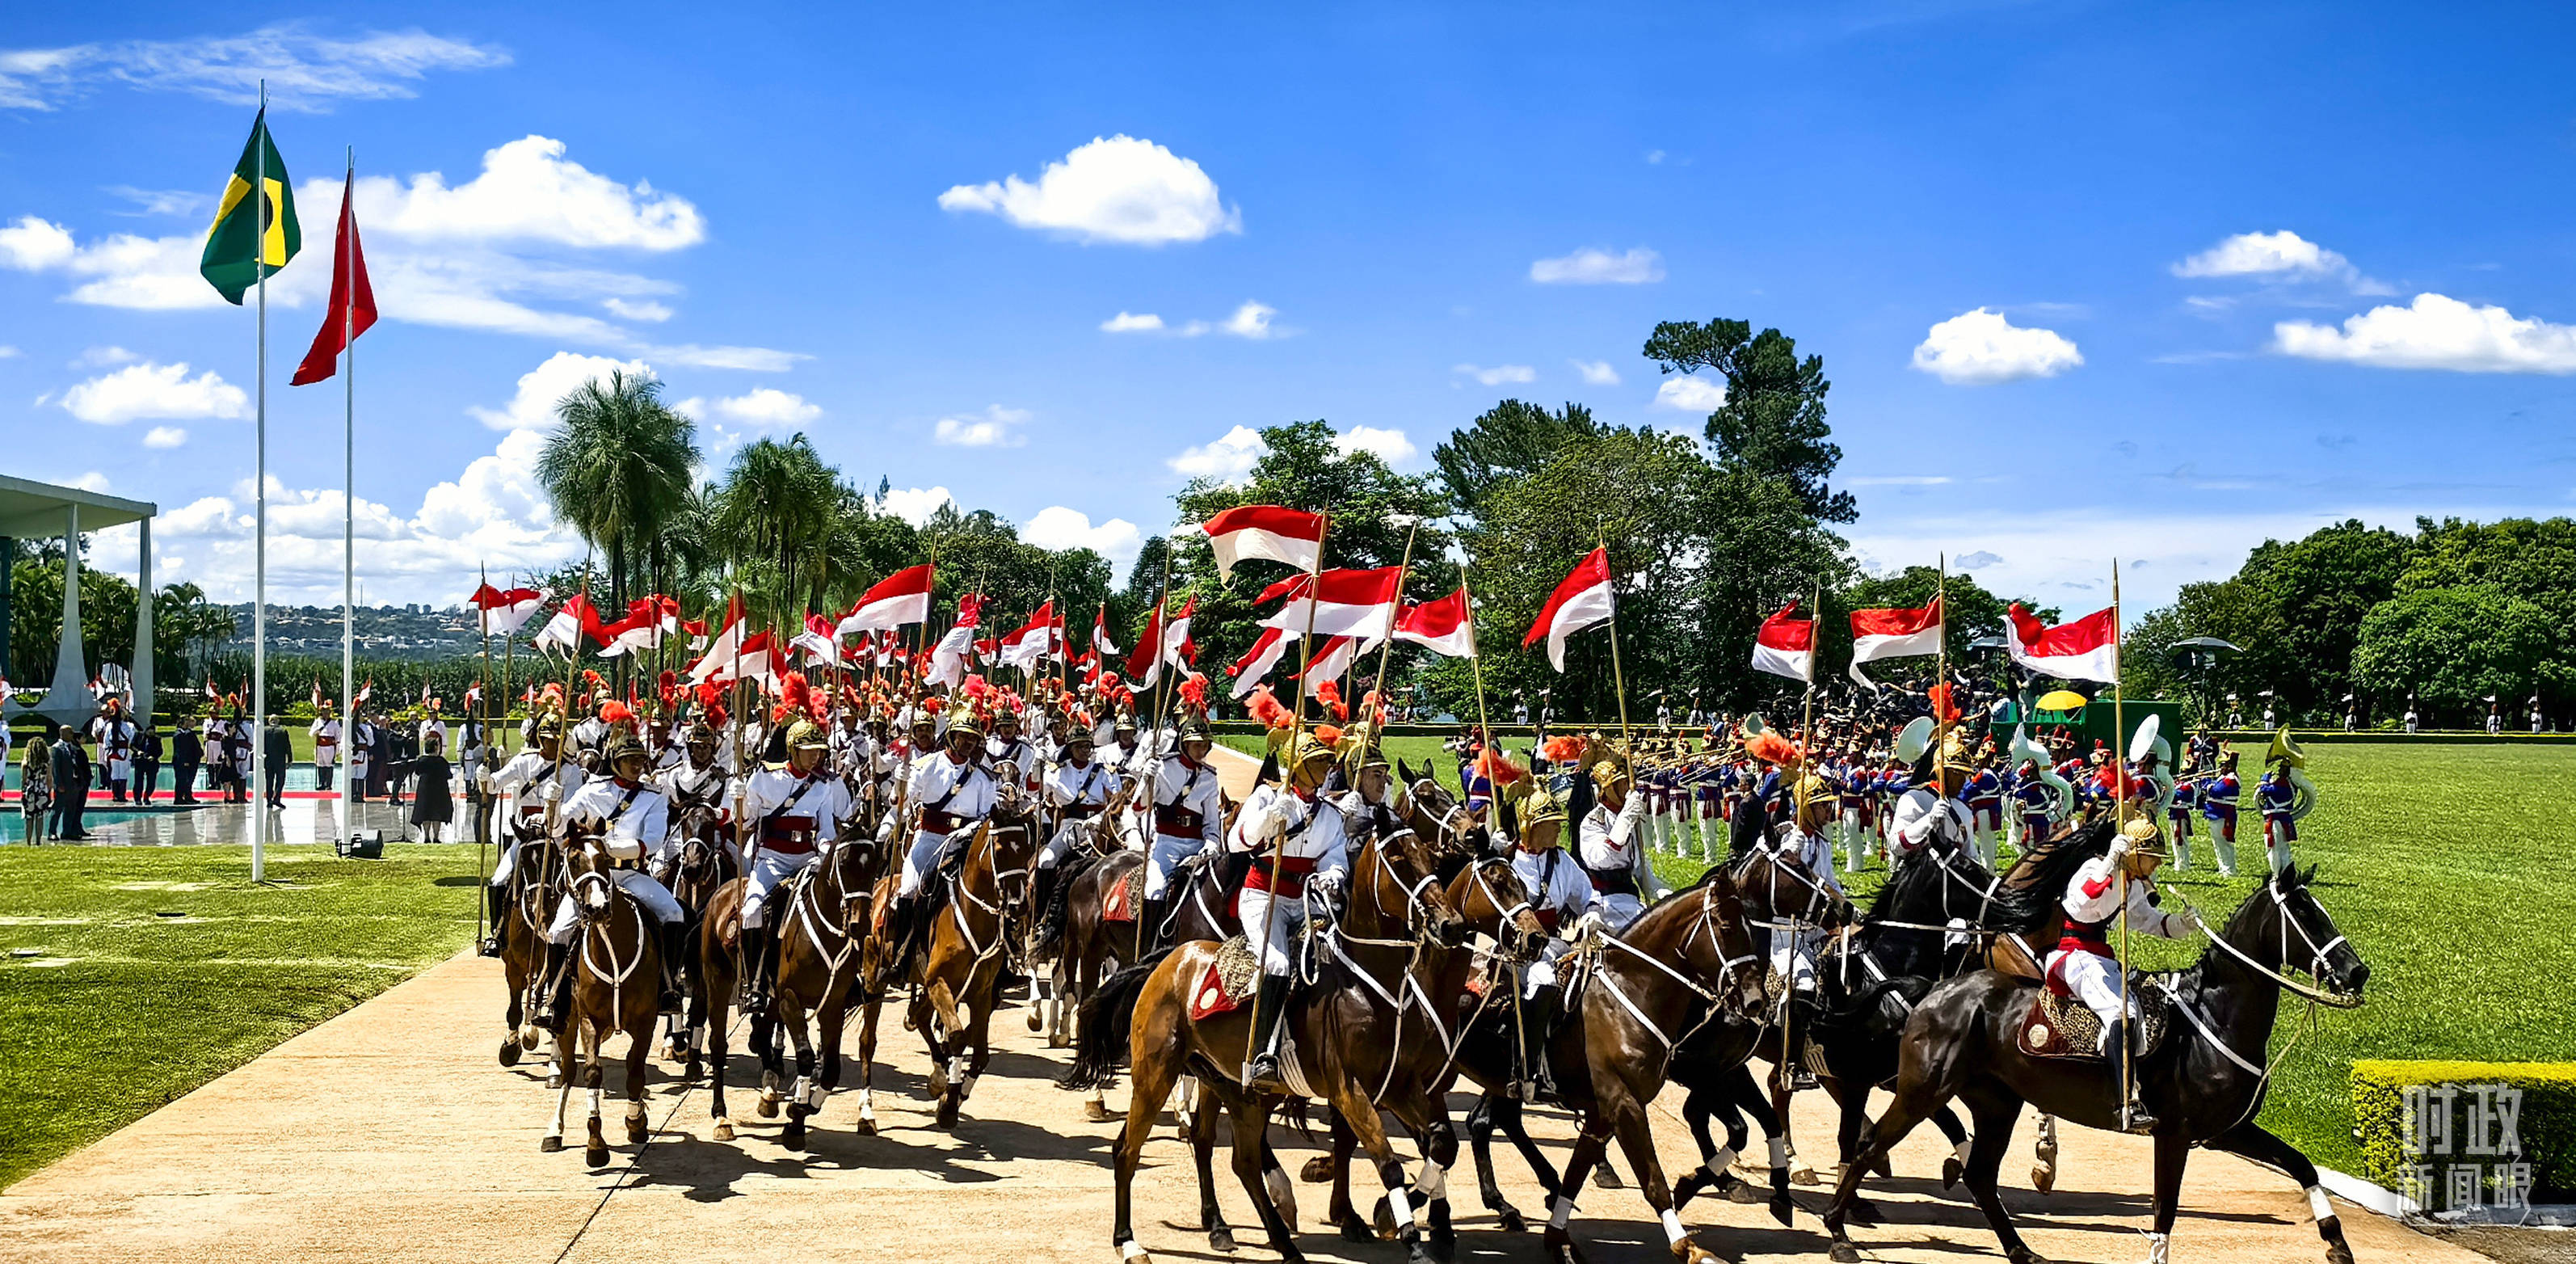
(2136, 1120)
(490, 947)
(1261, 1075)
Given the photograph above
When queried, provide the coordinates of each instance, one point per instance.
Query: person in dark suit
(187, 751)
(147, 762)
(275, 750)
(71, 785)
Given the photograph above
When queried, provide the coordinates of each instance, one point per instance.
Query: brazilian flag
(232, 260)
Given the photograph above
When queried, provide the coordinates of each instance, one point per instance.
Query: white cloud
(995, 427)
(165, 437)
(1058, 528)
(33, 245)
(540, 388)
(1390, 445)
(914, 504)
(1591, 266)
(1129, 322)
(154, 391)
(92, 481)
(1231, 456)
(637, 309)
(1252, 320)
(1498, 374)
(765, 406)
(305, 72)
(1121, 189)
(1981, 348)
(101, 357)
(1596, 372)
(8, 352)
(528, 191)
(2283, 253)
(1691, 394)
(2435, 332)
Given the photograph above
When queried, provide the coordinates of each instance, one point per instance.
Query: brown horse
(820, 918)
(616, 987)
(1372, 1031)
(705, 863)
(972, 933)
(1072, 938)
(1640, 995)
(535, 886)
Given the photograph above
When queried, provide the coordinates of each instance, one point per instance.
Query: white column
(144, 612)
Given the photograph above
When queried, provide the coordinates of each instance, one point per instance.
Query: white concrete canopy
(37, 509)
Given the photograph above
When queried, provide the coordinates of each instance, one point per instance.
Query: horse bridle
(1450, 831)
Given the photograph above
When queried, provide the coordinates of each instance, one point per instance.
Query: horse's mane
(2024, 909)
(1915, 869)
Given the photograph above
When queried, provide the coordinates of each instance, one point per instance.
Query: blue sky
(2154, 282)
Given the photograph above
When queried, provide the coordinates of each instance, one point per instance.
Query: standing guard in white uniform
(801, 810)
(1189, 817)
(520, 791)
(633, 818)
(326, 746)
(1305, 835)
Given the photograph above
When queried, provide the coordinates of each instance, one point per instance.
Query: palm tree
(618, 469)
(774, 515)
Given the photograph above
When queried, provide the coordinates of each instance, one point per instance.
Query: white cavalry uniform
(1612, 856)
(637, 817)
(951, 796)
(799, 817)
(1019, 754)
(1136, 828)
(1557, 891)
(1924, 814)
(1312, 849)
(1188, 819)
(520, 791)
(326, 747)
(1795, 958)
(1077, 792)
(2083, 963)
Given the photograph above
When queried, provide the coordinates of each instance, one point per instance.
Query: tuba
(2025, 749)
(2292, 761)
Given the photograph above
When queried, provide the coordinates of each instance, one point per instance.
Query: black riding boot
(1272, 1000)
(675, 962)
(1538, 1023)
(899, 931)
(2134, 1117)
(554, 986)
(759, 947)
(1150, 924)
(496, 900)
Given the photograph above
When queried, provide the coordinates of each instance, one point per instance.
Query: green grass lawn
(2431, 859)
(108, 1009)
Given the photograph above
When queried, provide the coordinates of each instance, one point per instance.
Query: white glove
(551, 791)
(2120, 850)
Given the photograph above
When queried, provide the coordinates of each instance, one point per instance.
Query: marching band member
(2285, 794)
(2218, 795)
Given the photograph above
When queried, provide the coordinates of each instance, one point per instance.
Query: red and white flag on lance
(1582, 600)
(365, 691)
(1446, 626)
(1145, 665)
(2086, 649)
(1893, 633)
(1275, 532)
(1344, 603)
(817, 640)
(948, 658)
(573, 621)
(1784, 646)
(898, 599)
(1335, 658)
(1257, 661)
(505, 610)
(1178, 649)
(1100, 642)
(1027, 645)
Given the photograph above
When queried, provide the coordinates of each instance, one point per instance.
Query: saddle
(2063, 1027)
(1228, 982)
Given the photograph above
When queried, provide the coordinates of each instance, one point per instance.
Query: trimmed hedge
(2546, 1125)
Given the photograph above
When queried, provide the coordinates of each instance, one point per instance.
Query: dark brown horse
(704, 865)
(973, 932)
(1072, 938)
(616, 988)
(535, 885)
(1368, 1034)
(2205, 1082)
(813, 913)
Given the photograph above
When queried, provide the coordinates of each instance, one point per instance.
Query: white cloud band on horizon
(1594, 266)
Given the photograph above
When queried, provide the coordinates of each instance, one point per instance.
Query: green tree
(1509, 441)
(618, 468)
(2454, 647)
(1772, 423)
(773, 516)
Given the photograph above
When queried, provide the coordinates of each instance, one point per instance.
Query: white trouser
(652, 895)
(1617, 910)
(2278, 833)
(1060, 846)
(1286, 923)
(768, 869)
(1854, 857)
(1794, 956)
(2094, 979)
(1168, 852)
(919, 862)
(2222, 839)
(509, 861)
(1542, 972)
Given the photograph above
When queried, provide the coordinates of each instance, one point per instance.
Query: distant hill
(383, 632)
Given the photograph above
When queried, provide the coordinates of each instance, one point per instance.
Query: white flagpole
(348, 519)
(260, 216)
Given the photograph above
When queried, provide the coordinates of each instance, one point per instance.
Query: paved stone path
(390, 1133)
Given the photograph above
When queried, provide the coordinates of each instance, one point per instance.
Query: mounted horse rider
(1807, 803)
(1078, 790)
(2118, 886)
(1613, 856)
(800, 809)
(1189, 815)
(1930, 811)
(1007, 746)
(1364, 779)
(698, 780)
(533, 778)
(950, 791)
(1295, 840)
(633, 820)
(1558, 891)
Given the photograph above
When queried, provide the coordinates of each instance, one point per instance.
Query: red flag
(1446, 625)
(353, 301)
(1784, 646)
(1267, 531)
(1581, 600)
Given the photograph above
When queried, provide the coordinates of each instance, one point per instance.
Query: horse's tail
(1059, 909)
(1100, 1035)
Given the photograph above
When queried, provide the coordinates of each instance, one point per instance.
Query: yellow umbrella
(2062, 700)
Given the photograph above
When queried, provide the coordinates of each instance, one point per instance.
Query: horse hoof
(1221, 1238)
(1844, 1253)
(724, 1130)
(2027, 1256)
(768, 1108)
(634, 1132)
(947, 1116)
(1444, 1243)
(2043, 1179)
(1508, 1218)
(1604, 1178)
(551, 1145)
(1382, 1219)
(1317, 1170)
(1780, 1209)
(867, 1126)
(1952, 1170)
(1690, 1252)
(1096, 1113)
(1059, 1040)
(1353, 1231)
(793, 1135)
(1805, 1175)
(554, 1079)
(596, 1156)
(1035, 1022)
(1559, 1248)
(510, 1052)
(938, 1082)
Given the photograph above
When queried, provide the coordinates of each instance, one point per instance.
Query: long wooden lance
(1288, 775)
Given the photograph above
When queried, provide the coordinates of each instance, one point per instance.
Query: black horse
(2205, 1082)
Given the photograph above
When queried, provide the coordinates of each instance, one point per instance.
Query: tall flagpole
(260, 214)
(1475, 663)
(1940, 677)
(1618, 680)
(1386, 648)
(348, 526)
